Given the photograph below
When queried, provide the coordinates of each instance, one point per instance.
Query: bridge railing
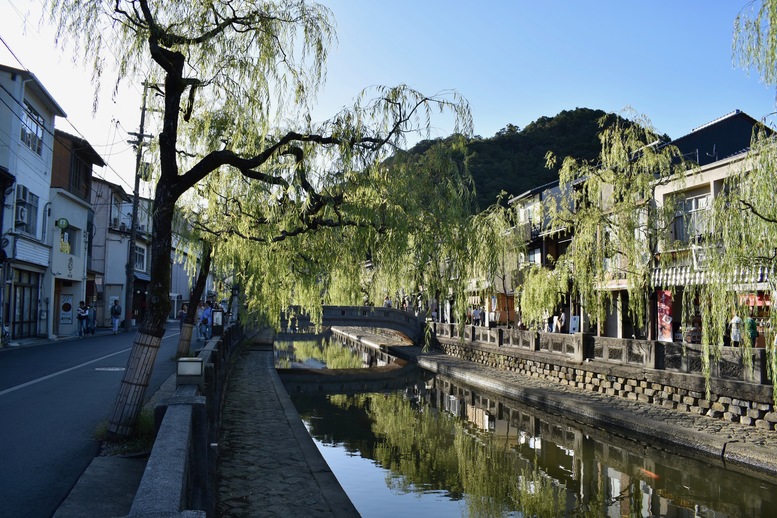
(406, 322)
(645, 354)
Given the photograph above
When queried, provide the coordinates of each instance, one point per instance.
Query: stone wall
(560, 361)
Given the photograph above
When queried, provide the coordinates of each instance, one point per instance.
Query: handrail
(180, 475)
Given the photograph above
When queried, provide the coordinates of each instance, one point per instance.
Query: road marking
(44, 378)
(110, 369)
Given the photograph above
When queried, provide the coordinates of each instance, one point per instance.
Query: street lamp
(189, 371)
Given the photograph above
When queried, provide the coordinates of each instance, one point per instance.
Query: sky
(513, 60)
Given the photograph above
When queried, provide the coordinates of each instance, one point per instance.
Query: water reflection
(316, 354)
(460, 451)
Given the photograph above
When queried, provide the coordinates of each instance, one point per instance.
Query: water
(443, 449)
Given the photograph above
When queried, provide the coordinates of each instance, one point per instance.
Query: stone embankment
(612, 403)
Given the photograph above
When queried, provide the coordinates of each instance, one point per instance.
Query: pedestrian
(561, 320)
(387, 302)
(752, 328)
(115, 316)
(91, 319)
(182, 316)
(198, 319)
(476, 316)
(207, 320)
(736, 329)
(81, 315)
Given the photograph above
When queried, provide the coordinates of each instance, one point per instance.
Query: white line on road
(44, 378)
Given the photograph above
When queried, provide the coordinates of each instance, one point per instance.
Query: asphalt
(269, 465)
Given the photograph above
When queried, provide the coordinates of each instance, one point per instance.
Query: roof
(721, 138)
(82, 147)
(37, 87)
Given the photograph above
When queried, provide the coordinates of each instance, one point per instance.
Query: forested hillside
(513, 160)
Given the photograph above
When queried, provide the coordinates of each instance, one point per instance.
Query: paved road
(53, 396)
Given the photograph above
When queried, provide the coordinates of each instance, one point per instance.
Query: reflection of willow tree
(333, 354)
(426, 448)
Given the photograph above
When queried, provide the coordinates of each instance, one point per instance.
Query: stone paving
(268, 464)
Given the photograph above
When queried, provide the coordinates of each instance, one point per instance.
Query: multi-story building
(106, 271)
(71, 232)
(27, 114)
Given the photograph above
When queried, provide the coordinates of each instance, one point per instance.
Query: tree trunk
(130, 399)
(199, 287)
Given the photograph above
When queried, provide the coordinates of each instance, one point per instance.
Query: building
(27, 114)
(107, 271)
(71, 231)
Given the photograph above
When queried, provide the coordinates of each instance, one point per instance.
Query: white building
(27, 114)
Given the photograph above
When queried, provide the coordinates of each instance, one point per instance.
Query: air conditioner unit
(141, 228)
(22, 193)
(21, 214)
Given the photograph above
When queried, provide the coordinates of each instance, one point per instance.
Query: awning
(140, 276)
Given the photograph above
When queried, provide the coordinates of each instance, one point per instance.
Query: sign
(66, 309)
(665, 315)
(574, 324)
(62, 223)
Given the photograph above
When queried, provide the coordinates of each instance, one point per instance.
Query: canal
(440, 448)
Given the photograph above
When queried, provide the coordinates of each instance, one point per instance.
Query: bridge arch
(403, 322)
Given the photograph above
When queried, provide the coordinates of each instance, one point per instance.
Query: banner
(664, 315)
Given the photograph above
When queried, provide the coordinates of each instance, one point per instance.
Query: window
(26, 213)
(68, 239)
(691, 222)
(535, 256)
(32, 129)
(140, 258)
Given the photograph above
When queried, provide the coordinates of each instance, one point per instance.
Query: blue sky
(514, 61)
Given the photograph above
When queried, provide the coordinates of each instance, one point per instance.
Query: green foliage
(609, 205)
(513, 160)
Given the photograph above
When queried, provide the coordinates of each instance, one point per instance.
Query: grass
(139, 442)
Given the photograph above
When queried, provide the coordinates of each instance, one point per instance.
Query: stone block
(755, 413)
(771, 417)
(717, 406)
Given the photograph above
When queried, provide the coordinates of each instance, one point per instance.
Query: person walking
(207, 320)
(115, 316)
(182, 316)
(91, 319)
(198, 319)
(736, 329)
(81, 314)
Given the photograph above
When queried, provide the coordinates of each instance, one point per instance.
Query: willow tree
(741, 256)
(235, 81)
(408, 218)
(607, 206)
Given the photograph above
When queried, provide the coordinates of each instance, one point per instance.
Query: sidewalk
(269, 464)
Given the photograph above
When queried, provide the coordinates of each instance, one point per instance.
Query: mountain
(513, 160)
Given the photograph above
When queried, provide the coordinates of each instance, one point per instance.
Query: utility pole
(138, 143)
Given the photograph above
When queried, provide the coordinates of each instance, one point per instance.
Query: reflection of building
(27, 115)
(621, 477)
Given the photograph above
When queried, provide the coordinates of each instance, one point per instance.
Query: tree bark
(130, 399)
(184, 343)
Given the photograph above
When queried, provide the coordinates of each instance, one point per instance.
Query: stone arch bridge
(403, 322)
